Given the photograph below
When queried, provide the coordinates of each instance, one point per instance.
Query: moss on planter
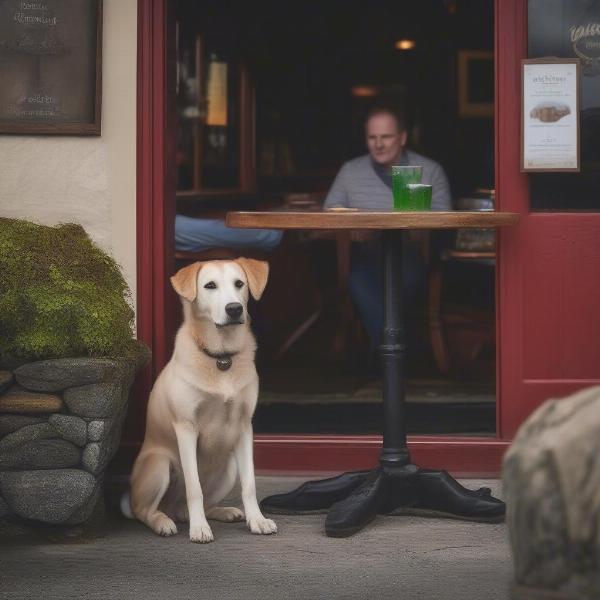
(60, 295)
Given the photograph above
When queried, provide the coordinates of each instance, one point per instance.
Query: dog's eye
(239, 283)
(211, 285)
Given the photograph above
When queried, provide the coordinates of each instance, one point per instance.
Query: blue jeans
(366, 286)
(195, 235)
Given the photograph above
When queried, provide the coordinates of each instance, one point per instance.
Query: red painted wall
(548, 284)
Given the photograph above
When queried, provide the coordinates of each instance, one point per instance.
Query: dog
(199, 424)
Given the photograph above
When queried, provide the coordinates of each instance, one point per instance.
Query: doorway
(271, 101)
(537, 358)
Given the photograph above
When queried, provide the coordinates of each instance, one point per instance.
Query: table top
(363, 219)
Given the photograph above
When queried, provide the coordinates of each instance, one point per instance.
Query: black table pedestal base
(353, 499)
(396, 486)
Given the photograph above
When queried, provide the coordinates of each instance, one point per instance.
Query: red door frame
(154, 216)
(462, 455)
(549, 291)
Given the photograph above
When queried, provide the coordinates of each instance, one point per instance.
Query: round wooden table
(396, 486)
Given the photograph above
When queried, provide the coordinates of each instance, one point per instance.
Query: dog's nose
(234, 310)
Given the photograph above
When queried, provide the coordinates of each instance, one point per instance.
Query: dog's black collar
(224, 359)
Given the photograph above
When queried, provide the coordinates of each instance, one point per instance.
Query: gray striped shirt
(357, 185)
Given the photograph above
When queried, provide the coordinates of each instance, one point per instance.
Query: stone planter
(551, 479)
(60, 425)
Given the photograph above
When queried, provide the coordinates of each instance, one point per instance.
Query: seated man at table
(194, 234)
(366, 183)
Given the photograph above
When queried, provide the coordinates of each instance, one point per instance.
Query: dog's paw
(201, 534)
(164, 526)
(227, 514)
(260, 525)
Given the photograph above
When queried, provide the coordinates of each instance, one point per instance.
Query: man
(366, 182)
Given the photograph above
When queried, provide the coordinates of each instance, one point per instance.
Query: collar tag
(224, 360)
(224, 363)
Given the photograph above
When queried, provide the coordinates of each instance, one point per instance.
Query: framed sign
(50, 66)
(475, 83)
(550, 115)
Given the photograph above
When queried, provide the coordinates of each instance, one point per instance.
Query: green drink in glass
(401, 177)
(419, 196)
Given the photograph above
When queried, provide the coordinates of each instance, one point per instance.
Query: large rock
(56, 375)
(41, 454)
(54, 497)
(70, 428)
(551, 477)
(97, 400)
(19, 401)
(10, 423)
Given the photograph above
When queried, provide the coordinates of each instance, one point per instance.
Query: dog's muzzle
(234, 312)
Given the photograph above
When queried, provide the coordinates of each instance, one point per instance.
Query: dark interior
(271, 100)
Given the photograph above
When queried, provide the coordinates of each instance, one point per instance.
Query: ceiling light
(364, 91)
(405, 44)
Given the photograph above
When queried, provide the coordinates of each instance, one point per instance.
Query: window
(567, 29)
(215, 145)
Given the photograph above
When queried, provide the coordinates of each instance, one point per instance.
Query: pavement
(400, 558)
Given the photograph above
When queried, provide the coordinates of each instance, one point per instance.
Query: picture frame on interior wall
(51, 67)
(475, 84)
(550, 107)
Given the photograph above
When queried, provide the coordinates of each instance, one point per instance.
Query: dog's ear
(185, 281)
(257, 273)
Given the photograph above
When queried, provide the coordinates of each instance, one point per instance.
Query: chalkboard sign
(50, 66)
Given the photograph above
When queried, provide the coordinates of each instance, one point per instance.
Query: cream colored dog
(199, 425)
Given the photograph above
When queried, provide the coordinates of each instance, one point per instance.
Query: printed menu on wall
(550, 115)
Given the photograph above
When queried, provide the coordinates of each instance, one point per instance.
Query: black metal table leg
(396, 486)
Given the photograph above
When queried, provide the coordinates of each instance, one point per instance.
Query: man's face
(384, 141)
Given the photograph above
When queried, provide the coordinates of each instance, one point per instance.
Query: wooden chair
(476, 324)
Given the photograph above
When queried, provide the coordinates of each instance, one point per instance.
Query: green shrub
(60, 295)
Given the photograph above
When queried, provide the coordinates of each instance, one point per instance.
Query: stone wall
(60, 424)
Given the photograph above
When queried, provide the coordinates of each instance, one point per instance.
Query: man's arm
(337, 195)
(441, 199)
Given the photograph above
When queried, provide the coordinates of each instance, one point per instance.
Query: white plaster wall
(87, 180)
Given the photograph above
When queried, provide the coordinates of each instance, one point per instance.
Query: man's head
(386, 136)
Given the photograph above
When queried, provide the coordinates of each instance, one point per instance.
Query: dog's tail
(126, 506)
